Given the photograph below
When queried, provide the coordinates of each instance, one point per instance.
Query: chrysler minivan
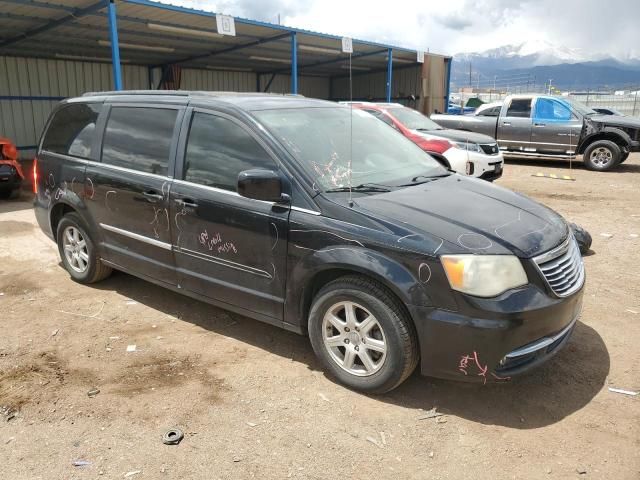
(316, 218)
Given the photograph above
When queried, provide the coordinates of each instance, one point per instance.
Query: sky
(597, 28)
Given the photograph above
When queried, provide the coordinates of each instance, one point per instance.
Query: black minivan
(314, 217)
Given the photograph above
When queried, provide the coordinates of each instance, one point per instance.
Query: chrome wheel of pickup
(354, 338)
(75, 249)
(601, 156)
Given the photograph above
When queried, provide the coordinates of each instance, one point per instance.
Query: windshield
(319, 139)
(413, 120)
(579, 107)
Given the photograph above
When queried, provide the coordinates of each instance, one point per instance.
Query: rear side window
(139, 138)
(72, 130)
(218, 150)
(520, 107)
(490, 112)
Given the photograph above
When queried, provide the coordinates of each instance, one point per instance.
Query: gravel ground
(252, 400)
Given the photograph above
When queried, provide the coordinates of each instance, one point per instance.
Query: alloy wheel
(354, 338)
(75, 249)
(601, 156)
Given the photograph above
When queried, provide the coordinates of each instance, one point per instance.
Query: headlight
(484, 275)
(472, 147)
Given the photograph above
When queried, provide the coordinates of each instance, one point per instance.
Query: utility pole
(470, 81)
(549, 89)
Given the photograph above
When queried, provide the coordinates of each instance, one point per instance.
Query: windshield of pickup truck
(413, 120)
(320, 140)
(579, 107)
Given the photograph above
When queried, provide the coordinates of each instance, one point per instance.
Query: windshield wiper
(428, 178)
(427, 129)
(363, 188)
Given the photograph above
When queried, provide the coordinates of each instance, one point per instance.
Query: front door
(514, 128)
(556, 129)
(128, 191)
(227, 247)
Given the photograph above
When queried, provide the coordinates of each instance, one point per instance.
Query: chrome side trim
(304, 210)
(136, 236)
(117, 168)
(536, 143)
(224, 262)
(542, 343)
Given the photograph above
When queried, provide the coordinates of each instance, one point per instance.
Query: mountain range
(536, 62)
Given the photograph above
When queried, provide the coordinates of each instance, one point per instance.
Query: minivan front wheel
(78, 251)
(362, 336)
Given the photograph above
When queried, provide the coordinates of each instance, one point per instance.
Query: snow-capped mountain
(538, 59)
(538, 52)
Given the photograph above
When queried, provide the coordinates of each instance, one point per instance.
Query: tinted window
(520, 108)
(139, 138)
(218, 150)
(71, 131)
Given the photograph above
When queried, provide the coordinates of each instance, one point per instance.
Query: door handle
(506, 124)
(152, 196)
(186, 202)
(539, 124)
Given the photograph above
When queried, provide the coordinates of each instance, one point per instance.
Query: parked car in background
(466, 153)
(11, 174)
(544, 126)
(457, 109)
(608, 111)
(312, 217)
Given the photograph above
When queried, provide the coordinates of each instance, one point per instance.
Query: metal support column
(294, 64)
(389, 73)
(447, 87)
(115, 47)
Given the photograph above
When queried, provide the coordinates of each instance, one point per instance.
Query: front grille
(562, 268)
(490, 148)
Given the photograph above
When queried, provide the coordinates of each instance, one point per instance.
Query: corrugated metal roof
(147, 36)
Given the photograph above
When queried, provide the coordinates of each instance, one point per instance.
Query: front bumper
(487, 167)
(495, 339)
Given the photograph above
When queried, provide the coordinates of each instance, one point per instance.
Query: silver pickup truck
(544, 126)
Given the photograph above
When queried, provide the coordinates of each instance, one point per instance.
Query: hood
(616, 120)
(469, 215)
(457, 136)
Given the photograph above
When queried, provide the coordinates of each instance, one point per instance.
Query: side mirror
(261, 185)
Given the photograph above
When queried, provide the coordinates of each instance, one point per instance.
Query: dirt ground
(252, 400)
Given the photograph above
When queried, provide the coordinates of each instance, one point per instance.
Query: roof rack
(187, 93)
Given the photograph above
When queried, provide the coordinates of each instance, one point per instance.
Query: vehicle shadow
(566, 165)
(559, 388)
(542, 397)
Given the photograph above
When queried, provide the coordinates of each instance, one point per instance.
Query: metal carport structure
(148, 44)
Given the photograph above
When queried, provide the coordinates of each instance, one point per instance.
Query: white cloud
(453, 26)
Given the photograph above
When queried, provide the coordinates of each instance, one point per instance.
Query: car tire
(582, 237)
(372, 350)
(602, 155)
(78, 251)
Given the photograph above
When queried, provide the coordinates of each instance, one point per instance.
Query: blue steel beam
(389, 73)
(447, 86)
(76, 13)
(294, 64)
(115, 46)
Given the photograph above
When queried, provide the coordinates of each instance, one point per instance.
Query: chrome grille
(562, 268)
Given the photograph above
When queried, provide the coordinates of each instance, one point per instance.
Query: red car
(11, 174)
(465, 152)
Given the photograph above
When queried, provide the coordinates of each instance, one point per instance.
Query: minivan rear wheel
(78, 251)
(362, 336)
